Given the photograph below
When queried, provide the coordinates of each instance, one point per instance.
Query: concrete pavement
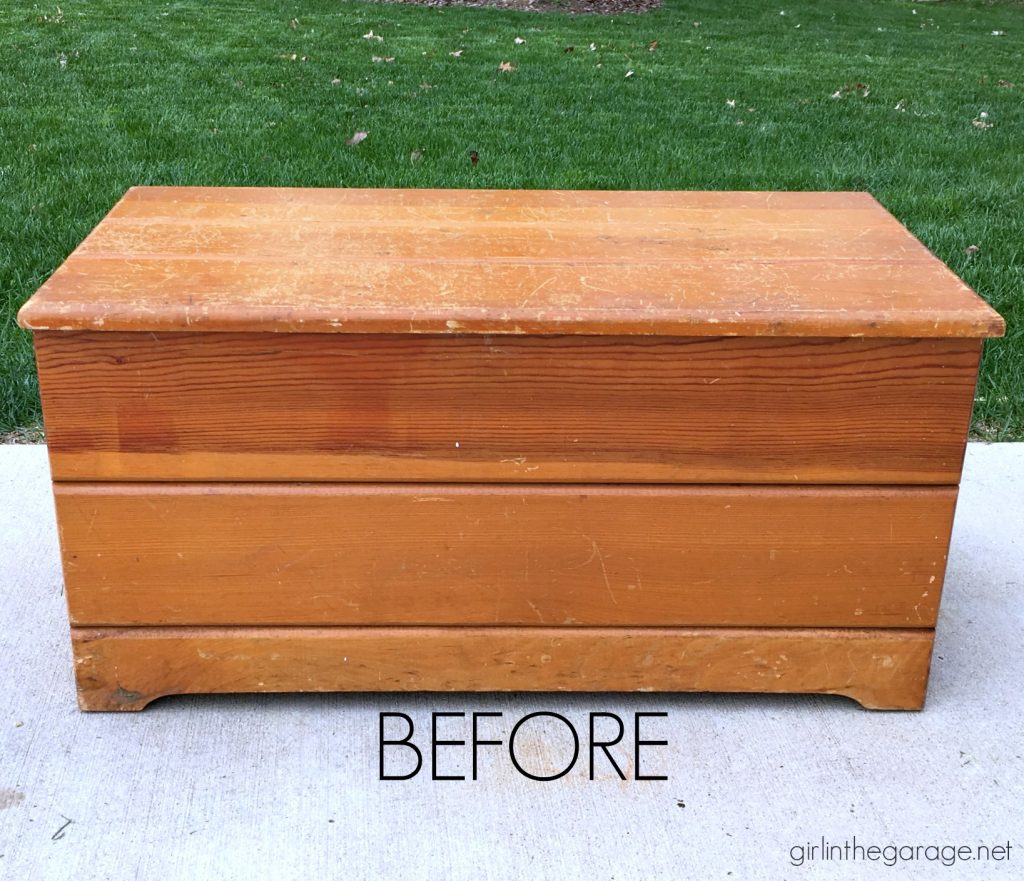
(281, 787)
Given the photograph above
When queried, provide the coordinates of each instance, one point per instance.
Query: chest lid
(506, 262)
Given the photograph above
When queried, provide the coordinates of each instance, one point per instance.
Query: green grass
(112, 93)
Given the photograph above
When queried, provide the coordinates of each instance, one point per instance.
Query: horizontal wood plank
(159, 554)
(126, 668)
(507, 262)
(484, 200)
(320, 407)
(438, 241)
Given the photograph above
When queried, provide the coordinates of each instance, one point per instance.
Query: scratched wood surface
(583, 556)
(509, 262)
(125, 668)
(504, 440)
(263, 406)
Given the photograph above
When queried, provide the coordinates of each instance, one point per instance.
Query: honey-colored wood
(126, 668)
(255, 554)
(317, 440)
(507, 262)
(261, 406)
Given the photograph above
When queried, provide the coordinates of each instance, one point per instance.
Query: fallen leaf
(519, 41)
(370, 35)
(569, 49)
(862, 90)
(629, 73)
(998, 33)
(416, 155)
(593, 47)
(426, 87)
(730, 103)
(293, 24)
(377, 59)
(335, 82)
(981, 122)
(901, 105)
(1005, 84)
(506, 67)
(357, 138)
(652, 46)
(971, 250)
(456, 54)
(474, 157)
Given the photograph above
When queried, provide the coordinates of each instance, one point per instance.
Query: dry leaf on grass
(370, 35)
(506, 67)
(474, 157)
(416, 155)
(519, 41)
(456, 54)
(1005, 84)
(971, 250)
(862, 90)
(357, 138)
(377, 59)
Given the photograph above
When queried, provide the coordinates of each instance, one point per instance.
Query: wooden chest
(312, 440)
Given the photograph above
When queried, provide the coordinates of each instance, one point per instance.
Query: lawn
(920, 103)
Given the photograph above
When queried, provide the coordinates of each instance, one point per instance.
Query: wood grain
(507, 262)
(319, 407)
(124, 669)
(157, 554)
(502, 440)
